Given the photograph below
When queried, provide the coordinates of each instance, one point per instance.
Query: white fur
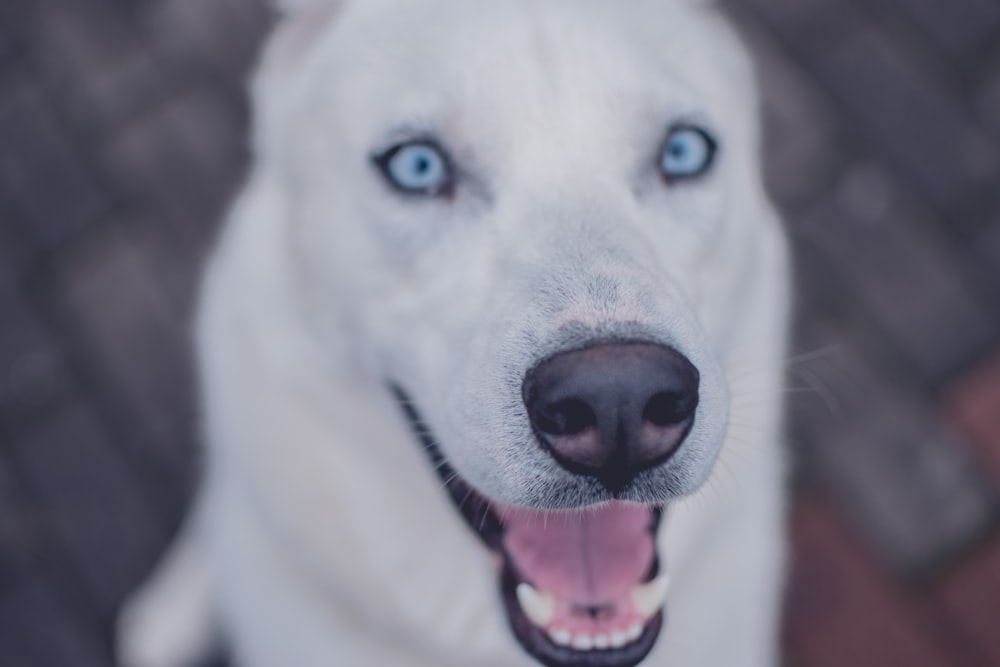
(324, 536)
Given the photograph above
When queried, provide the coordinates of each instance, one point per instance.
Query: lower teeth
(617, 639)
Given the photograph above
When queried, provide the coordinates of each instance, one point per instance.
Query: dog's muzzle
(585, 587)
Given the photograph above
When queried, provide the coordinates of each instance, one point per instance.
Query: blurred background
(123, 127)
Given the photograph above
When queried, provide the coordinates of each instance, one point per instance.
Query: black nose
(613, 410)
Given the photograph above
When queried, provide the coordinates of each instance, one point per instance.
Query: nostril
(566, 417)
(612, 410)
(668, 408)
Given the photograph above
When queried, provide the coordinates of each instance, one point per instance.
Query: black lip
(471, 504)
(486, 524)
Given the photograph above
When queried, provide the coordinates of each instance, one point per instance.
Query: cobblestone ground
(122, 136)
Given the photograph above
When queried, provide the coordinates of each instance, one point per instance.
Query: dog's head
(540, 224)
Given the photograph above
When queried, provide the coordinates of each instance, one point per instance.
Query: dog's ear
(300, 23)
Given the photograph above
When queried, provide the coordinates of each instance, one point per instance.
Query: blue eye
(687, 152)
(417, 167)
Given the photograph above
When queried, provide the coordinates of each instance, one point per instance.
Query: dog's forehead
(514, 57)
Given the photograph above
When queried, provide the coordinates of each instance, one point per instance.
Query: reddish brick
(898, 476)
(843, 609)
(970, 595)
(973, 405)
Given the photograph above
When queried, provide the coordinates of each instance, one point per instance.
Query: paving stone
(802, 149)
(17, 532)
(177, 266)
(135, 347)
(34, 376)
(15, 28)
(985, 245)
(986, 102)
(39, 630)
(972, 404)
(100, 513)
(222, 35)
(898, 107)
(805, 16)
(16, 253)
(970, 594)
(905, 481)
(37, 160)
(843, 609)
(960, 26)
(183, 161)
(102, 74)
(906, 276)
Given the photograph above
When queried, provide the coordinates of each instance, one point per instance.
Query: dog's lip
(487, 524)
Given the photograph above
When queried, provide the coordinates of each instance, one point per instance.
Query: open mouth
(582, 588)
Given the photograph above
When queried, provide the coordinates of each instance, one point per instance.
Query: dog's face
(538, 225)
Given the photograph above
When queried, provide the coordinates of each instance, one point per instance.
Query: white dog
(491, 343)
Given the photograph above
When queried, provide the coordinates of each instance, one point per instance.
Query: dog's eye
(417, 167)
(687, 152)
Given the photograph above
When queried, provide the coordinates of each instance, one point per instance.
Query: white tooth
(560, 636)
(633, 632)
(602, 641)
(539, 607)
(618, 639)
(583, 642)
(649, 597)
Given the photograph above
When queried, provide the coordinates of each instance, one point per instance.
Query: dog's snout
(613, 410)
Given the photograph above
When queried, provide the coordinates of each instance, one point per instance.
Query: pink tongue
(586, 556)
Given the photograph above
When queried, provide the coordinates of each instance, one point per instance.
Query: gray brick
(181, 162)
(102, 74)
(38, 630)
(960, 26)
(804, 16)
(900, 109)
(987, 100)
(906, 481)
(18, 541)
(137, 344)
(221, 35)
(33, 373)
(177, 264)
(908, 281)
(101, 516)
(986, 245)
(802, 145)
(41, 175)
(16, 253)
(16, 27)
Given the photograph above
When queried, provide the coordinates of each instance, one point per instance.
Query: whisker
(790, 362)
(829, 398)
(465, 498)
(451, 478)
(766, 395)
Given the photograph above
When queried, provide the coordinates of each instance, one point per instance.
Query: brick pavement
(122, 135)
